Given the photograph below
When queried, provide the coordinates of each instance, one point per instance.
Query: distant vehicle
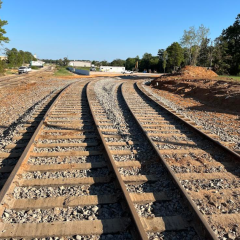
(23, 70)
(127, 72)
(92, 69)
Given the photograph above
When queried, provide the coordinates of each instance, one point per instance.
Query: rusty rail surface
(203, 226)
(38, 229)
(160, 104)
(10, 181)
(136, 220)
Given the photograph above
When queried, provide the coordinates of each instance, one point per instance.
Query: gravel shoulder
(225, 124)
(15, 101)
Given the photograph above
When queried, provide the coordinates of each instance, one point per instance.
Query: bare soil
(200, 84)
(15, 100)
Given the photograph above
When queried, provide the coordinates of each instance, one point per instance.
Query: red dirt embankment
(199, 83)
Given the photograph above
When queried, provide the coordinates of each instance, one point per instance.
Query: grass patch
(10, 72)
(227, 77)
(62, 71)
(35, 67)
(86, 68)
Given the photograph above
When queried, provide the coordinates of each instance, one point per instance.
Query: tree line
(194, 48)
(17, 58)
(61, 62)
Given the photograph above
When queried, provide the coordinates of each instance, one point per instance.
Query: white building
(112, 69)
(37, 63)
(80, 64)
(3, 58)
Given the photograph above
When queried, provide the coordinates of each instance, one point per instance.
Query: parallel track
(65, 144)
(192, 157)
(79, 175)
(22, 134)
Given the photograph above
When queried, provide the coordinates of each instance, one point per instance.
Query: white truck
(24, 70)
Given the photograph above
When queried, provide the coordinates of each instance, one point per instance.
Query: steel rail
(11, 178)
(158, 102)
(203, 226)
(134, 215)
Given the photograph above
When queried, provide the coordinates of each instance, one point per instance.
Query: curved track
(63, 184)
(102, 166)
(19, 134)
(205, 170)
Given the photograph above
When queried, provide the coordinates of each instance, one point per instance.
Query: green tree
(2, 67)
(232, 36)
(145, 61)
(154, 63)
(20, 58)
(164, 58)
(205, 56)
(17, 58)
(192, 40)
(60, 62)
(160, 56)
(65, 61)
(12, 56)
(104, 63)
(221, 58)
(175, 55)
(130, 63)
(3, 38)
(118, 63)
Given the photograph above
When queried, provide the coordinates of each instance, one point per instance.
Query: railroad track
(15, 80)
(204, 169)
(62, 183)
(104, 166)
(21, 134)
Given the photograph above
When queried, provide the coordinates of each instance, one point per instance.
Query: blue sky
(108, 29)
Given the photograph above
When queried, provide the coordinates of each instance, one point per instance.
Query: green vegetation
(60, 62)
(18, 58)
(82, 68)
(35, 67)
(3, 39)
(10, 72)
(62, 71)
(237, 78)
(175, 56)
(87, 68)
(194, 48)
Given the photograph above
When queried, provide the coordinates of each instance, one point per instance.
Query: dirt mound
(190, 72)
(202, 85)
(215, 93)
(197, 72)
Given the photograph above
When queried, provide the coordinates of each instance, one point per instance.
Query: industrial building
(3, 58)
(112, 69)
(37, 63)
(80, 63)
